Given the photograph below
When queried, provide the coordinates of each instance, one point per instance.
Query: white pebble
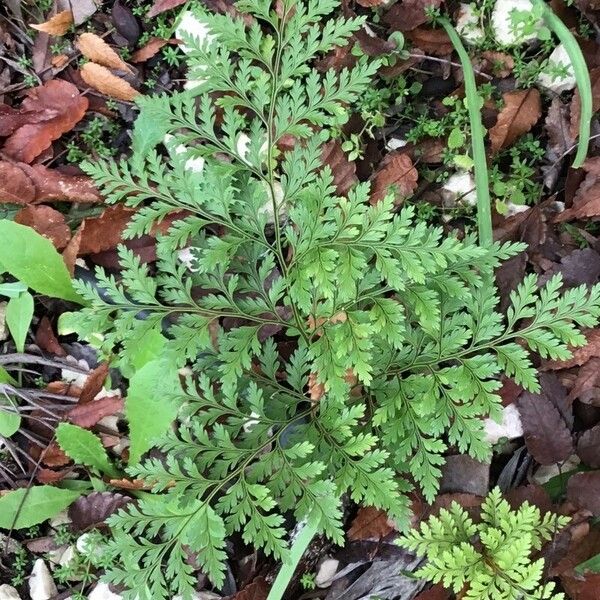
(8, 592)
(3, 328)
(559, 59)
(467, 24)
(41, 584)
(102, 592)
(459, 187)
(192, 26)
(327, 570)
(510, 427)
(395, 143)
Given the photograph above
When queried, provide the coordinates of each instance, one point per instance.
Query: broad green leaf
(591, 565)
(24, 508)
(150, 406)
(12, 289)
(5, 377)
(84, 448)
(33, 260)
(10, 421)
(19, 312)
(151, 346)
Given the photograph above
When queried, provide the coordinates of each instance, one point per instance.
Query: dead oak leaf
(13, 118)
(370, 523)
(31, 139)
(47, 222)
(105, 231)
(57, 25)
(15, 186)
(586, 201)
(102, 80)
(87, 415)
(94, 382)
(396, 172)
(161, 6)
(147, 51)
(407, 15)
(522, 110)
(94, 48)
(431, 41)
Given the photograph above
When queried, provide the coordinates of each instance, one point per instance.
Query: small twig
(19, 357)
(447, 61)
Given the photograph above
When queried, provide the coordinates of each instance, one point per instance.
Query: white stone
(459, 187)
(505, 33)
(326, 572)
(102, 592)
(395, 143)
(41, 584)
(83, 546)
(200, 596)
(193, 163)
(510, 427)
(8, 592)
(546, 472)
(62, 518)
(242, 147)
(468, 25)
(191, 25)
(513, 209)
(75, 377)
(267, 207)
(3, 328)
(565, 81)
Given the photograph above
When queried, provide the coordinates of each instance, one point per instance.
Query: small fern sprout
(489, 560)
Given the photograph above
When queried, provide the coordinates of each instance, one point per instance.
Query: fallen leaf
(57, 25)
(13, 118)
(71, 252)
(580, 354)
(130, 484)
(587, 382)
(522, 110)
(47, 476)
(344, 171)
(316, 390)
(499, 64)
(586, 201)
(47, 222)
(547, 436)
(370, 523)
(257, 590)
(583, 490)
(161, 6)
(15, 186)
(94, 382)
(31, 139)
(46, 340)
(92, 510)
(87, 415)
(437, 592)
(53, 456)
(52, 184)
(588, 447)
(407, 14)
(102, 80)
(397, 173)
(582, 588)
(94, 48)
(431, 41)
(125, 22)
(105, 231)
(83, 9)
(533, 493)
(147, 51)
(560, 140)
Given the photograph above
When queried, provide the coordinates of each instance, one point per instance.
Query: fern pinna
(392, 322)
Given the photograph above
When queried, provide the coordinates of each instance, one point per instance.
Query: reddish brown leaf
(30, 140)
(547, 436)
(161, 6)
(370, 523)
(71, 252)
(588, 447)
(46, 340)
(12, 118)
(15, 186)
(57, 25)
(47, 476)
(94, 382)
(498, 64)
(147, 51)
(533, 493)
(431, 41)
(583, 490)
(344, 171)
(587, 382)
(580, 354)
(586, 201)
(396, 173)
(47, 222)
(408, 14)
(130, 484)
(522, 110)
(437, 592)
(53, 456)
(92, 510)
(257, 590)
(105, 232)
(51, 184)
(87, 415)
(582, 588)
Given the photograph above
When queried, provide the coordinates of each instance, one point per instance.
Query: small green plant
(490, 559)
(307, 581)
(96, 138)
(19, 567)
(337, 346)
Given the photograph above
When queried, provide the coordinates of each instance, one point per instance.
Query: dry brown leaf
(13, 118)
(94, 382)
(104, 232)
(87, 415)
(53, 456)
(522, 110)
(94, 48)
(47, 222)
(130, 484)
(586, 201)
(15, 186)
(580, 355)
(71, 252)
(147, 51)
(161, 6)
(370, 523)
(344, 171)
(431, 41)
(31, 139)
(583, 490)
(316, 390)
(499, 64)
(46, 340)
(588, 447)
(396, 171)
(57, 25)
(407, 15)
(101, 79)
(547, 436)
(257, 590)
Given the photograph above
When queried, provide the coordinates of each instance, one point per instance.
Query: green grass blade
(582, 77)
(482, 184)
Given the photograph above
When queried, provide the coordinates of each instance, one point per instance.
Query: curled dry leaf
(60, 98)
(431, 41)
(344, 171)
(57, 25)
(147, 51)
(583, 490)
(102, 80)
(396, 172)
(257, 590)
(13, 118)
(94, 48)
(71, 252)
(161, 6)
(409, 14)
(92, 510)
(87, 415)
(46, 340)
(94, 382)
(104, 232)
(580, 355)
(522, 110)
(547, 436)
(586, 202)
(588, 447)
(47, 222)
(370, 523)
(15, 186)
